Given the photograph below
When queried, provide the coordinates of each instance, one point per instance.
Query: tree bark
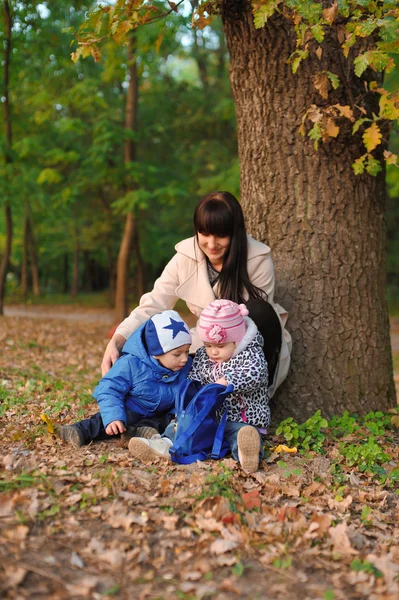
(324, 224)
(121, 292)
(8, 146)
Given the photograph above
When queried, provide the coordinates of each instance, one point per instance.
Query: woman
(220, 261)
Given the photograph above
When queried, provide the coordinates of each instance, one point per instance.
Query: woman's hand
(115, 427)
(112, 352)
(222, 381)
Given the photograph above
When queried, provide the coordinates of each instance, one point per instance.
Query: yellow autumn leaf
(282, 448)
(395, 421)
(372, 137)
(321, 84)
(345, 111)
(49, 423)
(331, 129)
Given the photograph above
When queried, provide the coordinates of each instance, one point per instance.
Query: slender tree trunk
(108, 248)
(198, 52)
(25, 245)
(34, 263)
(65, 271)
(325, 225)
(8, 145)
(121, 293)
(141, 284)
(75, 272)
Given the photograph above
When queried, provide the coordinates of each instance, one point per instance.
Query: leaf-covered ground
(94, 523)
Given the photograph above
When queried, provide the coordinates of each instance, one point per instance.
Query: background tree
(7, 149)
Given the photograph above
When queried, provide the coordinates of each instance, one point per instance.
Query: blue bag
(199, 434)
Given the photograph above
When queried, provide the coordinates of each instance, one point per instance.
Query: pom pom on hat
(222, 322)
(166, 331)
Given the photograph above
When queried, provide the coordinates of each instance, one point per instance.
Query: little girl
(232, 354)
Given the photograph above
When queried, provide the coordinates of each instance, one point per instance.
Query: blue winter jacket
(139, 382)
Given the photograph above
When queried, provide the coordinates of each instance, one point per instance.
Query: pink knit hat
(222, 321)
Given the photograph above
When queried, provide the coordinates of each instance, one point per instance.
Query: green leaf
(373, 166)
(318, 33)
(361, 63)
(334, 79)
(358, 165)
(264, 12)
(358, 124)
(49, 176)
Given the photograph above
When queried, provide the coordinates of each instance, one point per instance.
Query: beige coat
(186, 277)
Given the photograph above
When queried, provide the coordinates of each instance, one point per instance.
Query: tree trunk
(325, 225)
(75, 272)
(108, 247)
(140, 276)
(25, 244)
(34, 263)
(8, 145)
(65, 271)
(121, 293)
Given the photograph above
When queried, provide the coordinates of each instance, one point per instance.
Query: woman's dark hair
(220, 214)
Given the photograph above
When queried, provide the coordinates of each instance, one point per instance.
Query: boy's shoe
(142, 432)
(248, 449)
(71, 434)
(148, 450)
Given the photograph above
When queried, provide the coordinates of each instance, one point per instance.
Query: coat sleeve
(248, 371)
(112, 390)
(162, 297)
(261, 274)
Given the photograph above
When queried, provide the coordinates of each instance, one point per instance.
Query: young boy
(141, 384)
(232, 354)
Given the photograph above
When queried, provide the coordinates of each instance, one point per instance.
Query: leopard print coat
(247, 372)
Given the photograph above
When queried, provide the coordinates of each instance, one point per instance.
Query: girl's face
(220, 352)
(214, 247)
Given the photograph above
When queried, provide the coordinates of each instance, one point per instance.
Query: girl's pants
(230, 434)
(268, 323)
(93, 428)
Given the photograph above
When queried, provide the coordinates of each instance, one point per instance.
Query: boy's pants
(93, 428)
(230, 434)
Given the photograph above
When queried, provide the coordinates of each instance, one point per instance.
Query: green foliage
(366, 455)
(219, 484)
(308, 435)
(365, 566)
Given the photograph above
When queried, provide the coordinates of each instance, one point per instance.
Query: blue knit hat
(166, 331)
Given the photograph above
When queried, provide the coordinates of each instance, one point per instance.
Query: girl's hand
(222, 381)
(115, 427)
(112, 352)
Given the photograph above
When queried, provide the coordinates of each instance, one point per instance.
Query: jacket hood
(250, 336)
(136, 346)
(190, 248)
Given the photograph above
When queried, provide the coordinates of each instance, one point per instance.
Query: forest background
(67, 180)
(320, 523)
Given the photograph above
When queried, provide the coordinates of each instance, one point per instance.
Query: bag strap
(179, 400)
(219, 436)
(192, 428)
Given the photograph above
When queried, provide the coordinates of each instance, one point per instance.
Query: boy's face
(175, 359)
(220, 352)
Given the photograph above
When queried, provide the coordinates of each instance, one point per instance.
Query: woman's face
(214, 247)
